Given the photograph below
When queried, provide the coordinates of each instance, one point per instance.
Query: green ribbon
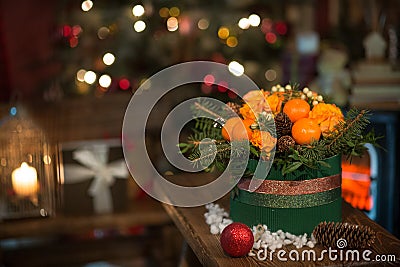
(285, 201)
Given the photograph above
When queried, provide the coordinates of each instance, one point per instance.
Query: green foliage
(208, 148)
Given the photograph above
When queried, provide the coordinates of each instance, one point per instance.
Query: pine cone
(234, 106)
(344, 235)
(285, 143)
(283, 124)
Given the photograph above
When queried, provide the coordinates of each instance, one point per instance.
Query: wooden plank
(140, 212)
(191, 223)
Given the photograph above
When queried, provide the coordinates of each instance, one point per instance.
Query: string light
(87, 5)
(254, 20)
(203, 24)
(223, 32)
(103, 32)
(105, 81)
(174, 11)
(89, 77)
(139, 26)
(164, 12)
(236, 68)
(270, 75)
(244, 23)
(108, 59)
(138, 10)
(232, 41)
(80, 75)
(172, 24)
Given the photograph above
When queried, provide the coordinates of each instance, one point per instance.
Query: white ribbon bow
(94, 161)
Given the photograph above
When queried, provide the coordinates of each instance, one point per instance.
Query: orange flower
(327, 116)
(263, 140)
(256, 100)
(247, 113)
(275, 102)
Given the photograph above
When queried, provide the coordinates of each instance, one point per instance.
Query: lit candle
(24, 180)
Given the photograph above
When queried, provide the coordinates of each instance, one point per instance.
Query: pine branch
(206, 109)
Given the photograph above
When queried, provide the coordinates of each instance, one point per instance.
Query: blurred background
(71, 68)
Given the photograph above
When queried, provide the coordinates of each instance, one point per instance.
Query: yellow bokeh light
(232, 41)
(223, 32)
(172, 24)
(174, 11)
(163, 12)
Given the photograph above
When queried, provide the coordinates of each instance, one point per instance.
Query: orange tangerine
(242, 131)
(305, 131)
(227, 129)
(296, 109)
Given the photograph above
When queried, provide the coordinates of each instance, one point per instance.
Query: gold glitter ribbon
(287, 201)
(293, 188)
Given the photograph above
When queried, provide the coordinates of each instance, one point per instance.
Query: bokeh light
(73, 41)
(223, 32)
(203, 24)
(270, 75)
(76, 30)
(139, 26)
(281, 28)
(124, 84)
(222, 86)
(254, 20)
(232, 41)
(244, 23)
(209, 79)
(138, 10)
(164, 12)
(270, 37)
(174, 11)
(90, 77)
(236, 68)
(266, 25)
(87, 5)
(103, 32)
(108, 59)
(172, 24)
(105, 80)
(13, 111)
(80, 75)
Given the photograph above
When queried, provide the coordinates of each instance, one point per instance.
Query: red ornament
(237, 239)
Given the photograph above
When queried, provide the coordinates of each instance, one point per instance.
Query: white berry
(306, 90)
(320, 98)
(309, 94)
(315, 102)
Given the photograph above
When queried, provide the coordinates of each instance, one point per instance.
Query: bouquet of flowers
(291, 126)
(296, 137)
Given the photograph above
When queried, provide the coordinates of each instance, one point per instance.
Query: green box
(297, 214)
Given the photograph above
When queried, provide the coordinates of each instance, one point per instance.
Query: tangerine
(305, 131)
(227, 129)
(242, 131)
(296, 109)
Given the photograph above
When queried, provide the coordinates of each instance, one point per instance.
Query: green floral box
(295, 205)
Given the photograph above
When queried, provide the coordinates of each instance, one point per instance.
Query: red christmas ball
(237, 239)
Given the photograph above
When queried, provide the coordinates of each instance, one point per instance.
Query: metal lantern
(28, 170)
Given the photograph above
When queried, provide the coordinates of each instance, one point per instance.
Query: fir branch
(206, 109)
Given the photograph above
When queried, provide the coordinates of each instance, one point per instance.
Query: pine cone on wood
(285, 143)
(283, 124)
(344, 235)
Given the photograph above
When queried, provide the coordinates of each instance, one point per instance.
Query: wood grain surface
(191, 223)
